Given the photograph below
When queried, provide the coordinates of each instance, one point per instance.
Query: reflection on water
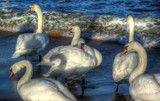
(121, 97)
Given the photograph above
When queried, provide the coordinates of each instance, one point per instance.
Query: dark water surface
(94, 7)
(101, 86)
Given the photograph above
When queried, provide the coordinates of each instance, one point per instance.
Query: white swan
(71, 61)
(32, 43)
(68, 62)
(41, 89)
(143, 87)
(77, 41)
(124, 65)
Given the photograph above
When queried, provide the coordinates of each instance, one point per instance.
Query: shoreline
(59, 34)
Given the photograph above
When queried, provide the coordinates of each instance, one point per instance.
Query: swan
(71, 62)
(124, 65)
(77, 41)
(40, 89)
(143, 87)
(32, 43)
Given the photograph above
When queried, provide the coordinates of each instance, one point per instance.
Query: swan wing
(28, 44)
(43, 90)
(146, 87)
(124, 65)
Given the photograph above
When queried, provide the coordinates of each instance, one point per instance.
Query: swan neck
(27, 75)
(142, 65)
(75, 37)
(40, 20)
(131, 31)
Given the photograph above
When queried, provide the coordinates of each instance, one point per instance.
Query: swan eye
(126, 47)
(82, 44)
(70, 31)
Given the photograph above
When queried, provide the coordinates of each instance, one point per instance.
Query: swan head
(14, 69)
(74, 29)
(33, 8)
(130, 46)
(17, 67)
(130, 19)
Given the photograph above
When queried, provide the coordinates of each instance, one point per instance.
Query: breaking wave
(103, 27)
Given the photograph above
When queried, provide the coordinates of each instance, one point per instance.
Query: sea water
(98, 19)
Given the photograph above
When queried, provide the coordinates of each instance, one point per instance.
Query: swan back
(124, 65)
(72, 60)
(146, 87)
(30, 44)
(44, 89)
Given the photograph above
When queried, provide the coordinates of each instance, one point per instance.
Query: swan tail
(19, 53)
(46, 74)
(16, 55)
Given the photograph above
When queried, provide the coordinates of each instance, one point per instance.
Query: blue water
(98, 19)
(95, 7)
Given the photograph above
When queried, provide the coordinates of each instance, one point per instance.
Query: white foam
(112, 28)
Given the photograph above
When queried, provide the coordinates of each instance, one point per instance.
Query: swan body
(146, 87)
(123, 66)
(77, 41)
(143, 87)
(68, 62)
(32, 43)
(41, 89)
(75, 61)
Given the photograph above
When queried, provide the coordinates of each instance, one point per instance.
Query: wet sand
(99, 82)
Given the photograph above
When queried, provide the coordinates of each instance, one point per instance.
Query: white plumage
(32, 43)
(143, 87)
(124, 65)
(41, 89)
(68, 62)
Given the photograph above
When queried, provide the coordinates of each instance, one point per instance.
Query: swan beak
(11, 75)
(82, 47)
(124, 51)
(28, 10)
(70, 31)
